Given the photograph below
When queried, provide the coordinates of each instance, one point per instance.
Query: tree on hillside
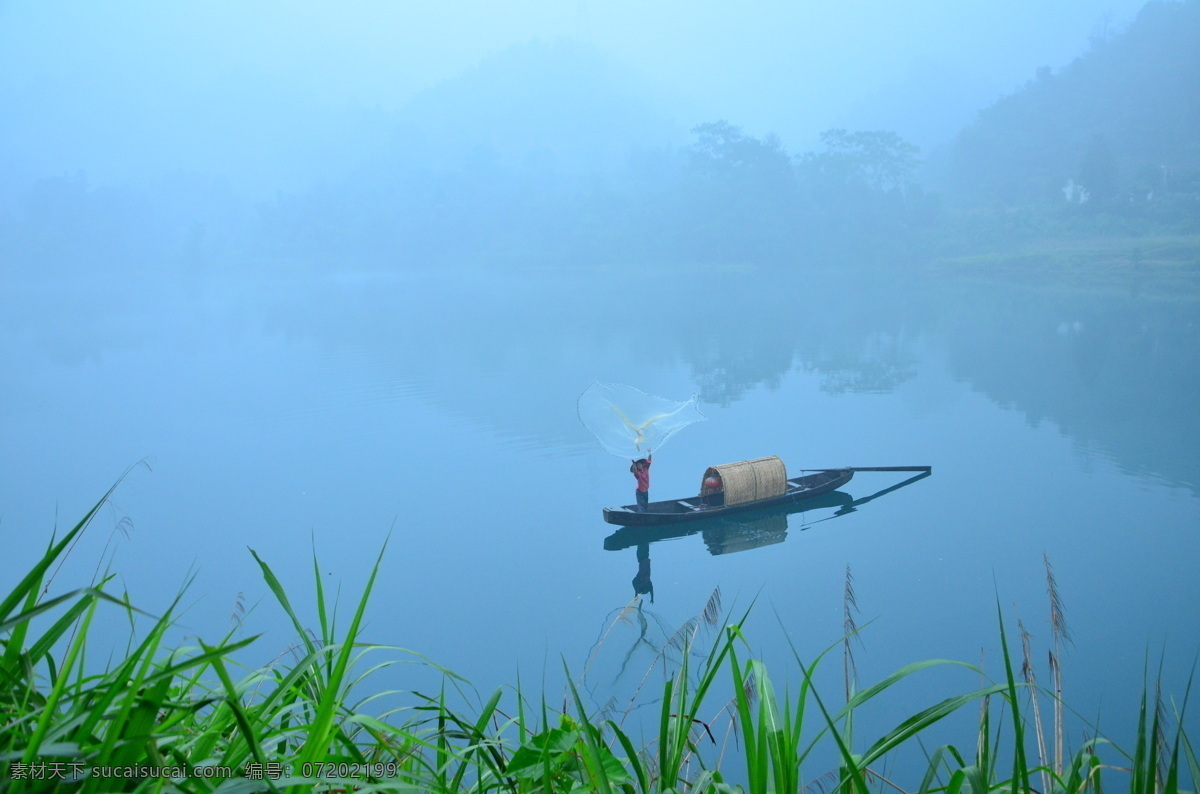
(738, 193)
(857, 193)
(1098, 172)
(877, 160)
(725, 154)
(1128, 105)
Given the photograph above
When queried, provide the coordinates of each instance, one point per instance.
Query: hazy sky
(80, 82)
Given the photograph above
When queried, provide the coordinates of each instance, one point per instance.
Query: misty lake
(437, 413)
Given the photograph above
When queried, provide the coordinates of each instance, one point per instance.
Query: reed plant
(195, 719)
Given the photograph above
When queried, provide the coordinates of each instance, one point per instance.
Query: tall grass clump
(179, 711)
(191, 718)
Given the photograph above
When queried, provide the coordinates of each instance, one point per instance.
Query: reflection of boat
(729, 535)
(751, 529)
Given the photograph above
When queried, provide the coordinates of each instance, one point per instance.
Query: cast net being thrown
(628, 422)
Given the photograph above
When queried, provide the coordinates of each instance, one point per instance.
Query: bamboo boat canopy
(746, 480)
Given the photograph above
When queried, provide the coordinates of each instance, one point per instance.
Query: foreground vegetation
(177, 720)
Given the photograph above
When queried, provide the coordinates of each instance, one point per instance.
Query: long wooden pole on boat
(874, 468)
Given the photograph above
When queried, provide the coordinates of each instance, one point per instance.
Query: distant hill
(555, 105)
(927, 105)
(1122, 122)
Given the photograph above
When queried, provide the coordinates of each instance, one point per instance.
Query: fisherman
(641, 472)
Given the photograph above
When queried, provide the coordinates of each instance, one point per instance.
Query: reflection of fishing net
(628, 422)
(635, 642)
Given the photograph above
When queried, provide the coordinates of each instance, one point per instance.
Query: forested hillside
(1119, 128)
(550, 154)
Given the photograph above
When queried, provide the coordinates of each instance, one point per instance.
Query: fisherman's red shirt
(643, 478)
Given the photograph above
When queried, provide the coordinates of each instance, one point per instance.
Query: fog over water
(276, 95)
(329, 277)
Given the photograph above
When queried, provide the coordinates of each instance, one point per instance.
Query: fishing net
(628, 422)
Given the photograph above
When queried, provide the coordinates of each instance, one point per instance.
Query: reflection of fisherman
(641, 472)
(641, 582)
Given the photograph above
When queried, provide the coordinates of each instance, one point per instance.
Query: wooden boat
(755, 523)
(711, 502)
(738, 487)
(629, 537)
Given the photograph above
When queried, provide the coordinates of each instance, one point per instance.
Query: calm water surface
(437, 413)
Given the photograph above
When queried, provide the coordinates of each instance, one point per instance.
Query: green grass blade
(746, 722)
(31, 582)
(634, 760)
(56, 693)
(594, 759)
(250, 731)
(319, 734)
(1020, 763)
(932, 770)
(912, 726)
(281, 596)
(322, 616)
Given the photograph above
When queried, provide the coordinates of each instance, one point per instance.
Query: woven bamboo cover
(748, 480)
